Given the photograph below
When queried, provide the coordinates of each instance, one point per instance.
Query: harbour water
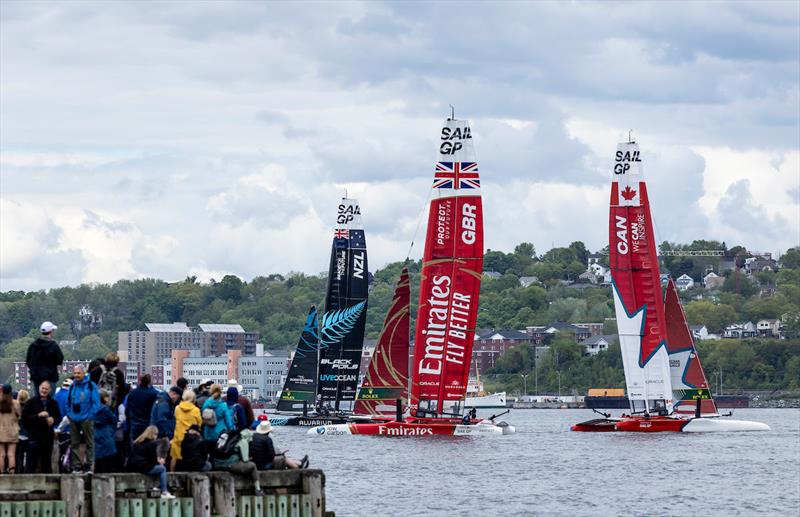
(544, 469)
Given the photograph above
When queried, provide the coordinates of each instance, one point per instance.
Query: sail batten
(386, 379)
(451, 275)
(342, 327)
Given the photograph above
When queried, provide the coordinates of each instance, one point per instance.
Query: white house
(769, 328)
(527, 281)
(494, 275)
(713, 281)
(684, 282)
(596, 344)
(740, 330)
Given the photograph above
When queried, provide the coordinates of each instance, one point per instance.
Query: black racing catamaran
(331, 358)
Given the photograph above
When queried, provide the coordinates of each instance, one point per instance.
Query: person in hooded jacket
(139, 405)
(105, 427)
(194, 457)
(186, 416)
(44, 357)
(237, 411)
(83, 401)
(163, 413)
(222, 420)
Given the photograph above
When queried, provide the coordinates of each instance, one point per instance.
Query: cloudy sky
(157, 139)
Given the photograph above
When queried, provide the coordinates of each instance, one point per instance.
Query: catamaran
(666, 385)
(332, 354)
(448, 302)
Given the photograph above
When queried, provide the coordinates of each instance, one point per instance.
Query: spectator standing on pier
(237, 411)
(9, 431)
(39, 415)
(245, 403)
(113, 381)
(105, 430)
(44, 357)
(139, 405)
(149, 456)
(186, 416)
(203, 393)
(216, 416)
(22, 445)
(83, 401)
(163, 413)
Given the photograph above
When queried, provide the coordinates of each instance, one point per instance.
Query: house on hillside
(684, 282)
(701, 333)
(713, 281)
(740, 330)
(769, 328)
(726, 265)
(527, 281)
(544, 333)
(593, 259)
(490, 345)
(596, 344)
(755, 265)
(664, 277)
(588, 277)
(493, 275)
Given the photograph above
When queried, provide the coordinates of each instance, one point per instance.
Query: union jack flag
(456, 175)
(340, 233)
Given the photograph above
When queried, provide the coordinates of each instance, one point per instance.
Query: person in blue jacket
(105, 429)
(216, 416)
(237, 411)
(139, 406)
(83, 401)
(163, 412)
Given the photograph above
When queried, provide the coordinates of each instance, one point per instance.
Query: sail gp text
(637, 232)
(442, 344)
(451, 139)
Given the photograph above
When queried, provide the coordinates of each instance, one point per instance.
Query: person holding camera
(83, 401)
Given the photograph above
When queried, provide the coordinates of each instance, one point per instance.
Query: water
(545, 469)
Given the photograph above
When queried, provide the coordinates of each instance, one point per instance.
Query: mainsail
(342, 332)
(636, 286)
(689, 383)
(451, 275)
(301, 381)
(387, 374)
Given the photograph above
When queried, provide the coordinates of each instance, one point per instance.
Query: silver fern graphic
(337, 324)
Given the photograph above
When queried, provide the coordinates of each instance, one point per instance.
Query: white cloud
(173, 139)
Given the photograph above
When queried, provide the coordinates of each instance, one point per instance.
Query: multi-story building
(219, 338)
(489, 346)
(150, 347)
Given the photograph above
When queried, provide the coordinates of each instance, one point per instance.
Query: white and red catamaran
(666, 385)
(448, 301)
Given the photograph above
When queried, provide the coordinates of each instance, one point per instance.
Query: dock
(287, 493)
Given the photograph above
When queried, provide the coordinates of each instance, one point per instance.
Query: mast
(689, 382)
(451, 275)
(342, 331)
(637, 286)
(301, 380)
(387, 374)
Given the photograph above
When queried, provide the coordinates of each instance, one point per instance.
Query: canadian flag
(628, 195)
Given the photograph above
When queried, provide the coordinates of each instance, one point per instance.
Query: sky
(158, 139)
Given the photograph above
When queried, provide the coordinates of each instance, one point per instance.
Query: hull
(413, 428)
(668, 424)
(495, 400)
(305, 421)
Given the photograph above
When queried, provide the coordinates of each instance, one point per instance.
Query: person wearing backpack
(216, 416)
(113, 381)
(163, 413)
(232, 454)
(83, 401)
(237, 411)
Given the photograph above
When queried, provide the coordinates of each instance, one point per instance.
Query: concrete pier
(287, 493)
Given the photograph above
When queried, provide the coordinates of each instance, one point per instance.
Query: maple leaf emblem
(628, 193)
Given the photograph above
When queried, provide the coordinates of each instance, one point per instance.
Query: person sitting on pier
(231, 453)
(149, 456)
(262, 450)
(194, 457)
